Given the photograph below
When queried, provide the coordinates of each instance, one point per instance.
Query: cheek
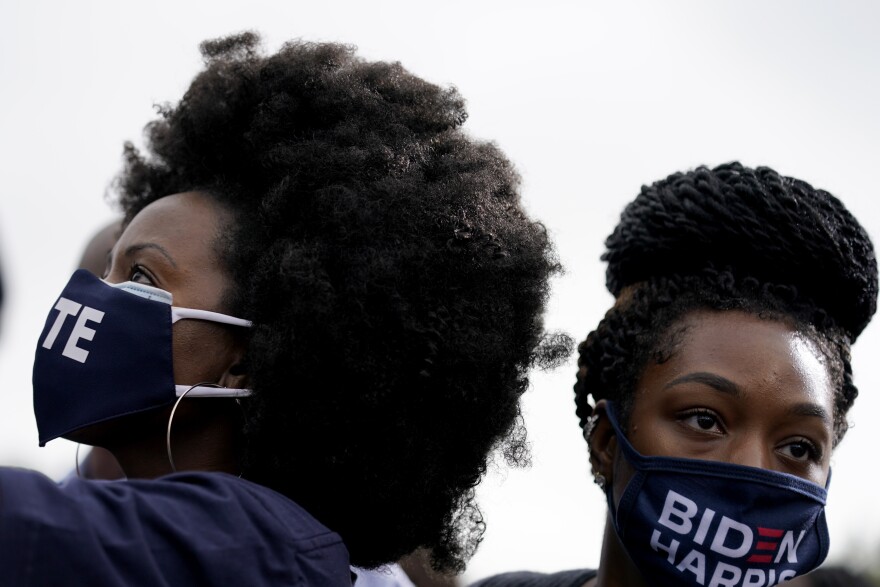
(652, 430)
(622, 474)
(201, 351)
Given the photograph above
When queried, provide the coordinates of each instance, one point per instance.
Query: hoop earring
(171, 419)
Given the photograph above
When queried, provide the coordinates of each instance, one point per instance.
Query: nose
(750, 450)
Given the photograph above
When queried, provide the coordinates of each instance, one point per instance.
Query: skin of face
(737, 389)
(172, 244)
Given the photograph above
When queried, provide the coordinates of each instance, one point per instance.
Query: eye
(801, 450)
(702, 420)
(138, 274)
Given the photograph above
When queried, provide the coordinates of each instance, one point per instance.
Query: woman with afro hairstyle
(359, 294)
(713, 392)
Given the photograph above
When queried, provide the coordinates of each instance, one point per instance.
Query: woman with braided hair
(314, 328)
(715, 389)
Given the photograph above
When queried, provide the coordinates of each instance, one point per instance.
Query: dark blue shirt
(199, 529)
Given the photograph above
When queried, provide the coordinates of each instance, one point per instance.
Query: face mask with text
(106, 351)
(712, 524)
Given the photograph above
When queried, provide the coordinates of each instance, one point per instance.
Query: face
(736, 389)
(172, 244)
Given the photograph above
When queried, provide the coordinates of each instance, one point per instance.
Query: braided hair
(395, 283)
(729, 238)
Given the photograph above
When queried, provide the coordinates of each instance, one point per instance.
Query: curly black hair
(722, 239)
(395, 282)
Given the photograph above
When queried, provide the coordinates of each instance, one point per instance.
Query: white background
(590, 99)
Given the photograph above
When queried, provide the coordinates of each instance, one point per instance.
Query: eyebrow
(724, 385)
(811, 411)
(716, 382)
(140, 247)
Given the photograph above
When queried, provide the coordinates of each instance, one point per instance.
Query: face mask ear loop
(171, 419)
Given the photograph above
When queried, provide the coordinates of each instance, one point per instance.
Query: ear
(603, 444)
(236, 376)
(237, 373)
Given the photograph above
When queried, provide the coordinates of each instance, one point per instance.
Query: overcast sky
(591, 100)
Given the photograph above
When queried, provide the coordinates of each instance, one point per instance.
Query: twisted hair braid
(722, 239)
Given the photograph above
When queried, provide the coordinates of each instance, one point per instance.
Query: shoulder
(187, 501)
(243, 504)
(574, 578)
(198, 526)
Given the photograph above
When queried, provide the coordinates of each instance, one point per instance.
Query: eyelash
(135, 268)
(701, 412)
(814, 453)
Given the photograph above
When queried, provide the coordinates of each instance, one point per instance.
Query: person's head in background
(99, 463)
(96, 254)
(395, 285)
(739, 292)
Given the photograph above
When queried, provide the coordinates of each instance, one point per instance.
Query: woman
(321, 313)
(713, 392)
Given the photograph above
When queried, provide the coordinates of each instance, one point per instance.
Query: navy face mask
(105, 352)
(714, 524)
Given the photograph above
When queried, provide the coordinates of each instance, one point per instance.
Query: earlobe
(234, 380)
(237, 374)
(603, 445)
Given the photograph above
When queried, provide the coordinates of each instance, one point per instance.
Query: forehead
(769, 360)
(188, 224)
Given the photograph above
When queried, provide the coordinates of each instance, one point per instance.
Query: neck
(616, 568)
(204, 441)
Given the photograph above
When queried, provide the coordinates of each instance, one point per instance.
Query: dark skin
(738, 389)
(172, 244)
